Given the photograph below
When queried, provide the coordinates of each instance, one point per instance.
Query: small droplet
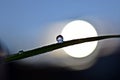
(59, 39)
(21, 51)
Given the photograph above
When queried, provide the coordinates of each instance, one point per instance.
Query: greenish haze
(55, 46)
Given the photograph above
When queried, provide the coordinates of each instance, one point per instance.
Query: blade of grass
(55, 46)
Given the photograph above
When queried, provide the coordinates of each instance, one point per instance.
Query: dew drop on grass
(59, 39)
(21, 51)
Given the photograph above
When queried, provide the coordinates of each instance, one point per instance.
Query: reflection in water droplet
(21, 51)
(59, 39)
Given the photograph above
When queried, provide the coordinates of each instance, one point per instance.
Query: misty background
(28, 24)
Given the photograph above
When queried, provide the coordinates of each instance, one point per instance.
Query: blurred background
(29, 24)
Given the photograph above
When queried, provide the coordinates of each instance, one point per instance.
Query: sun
(79, 29)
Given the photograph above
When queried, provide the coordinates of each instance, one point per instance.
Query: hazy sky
(27, 24)
(23, 23)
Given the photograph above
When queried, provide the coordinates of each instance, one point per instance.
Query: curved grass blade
(55, 46)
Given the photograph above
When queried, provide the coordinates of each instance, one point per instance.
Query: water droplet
(59, 39)
(21, 51)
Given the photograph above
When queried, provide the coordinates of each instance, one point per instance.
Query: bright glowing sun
(75, 30)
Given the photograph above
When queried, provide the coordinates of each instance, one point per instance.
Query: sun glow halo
(75, 30)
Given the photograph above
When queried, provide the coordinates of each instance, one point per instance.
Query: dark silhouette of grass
(55, 46)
